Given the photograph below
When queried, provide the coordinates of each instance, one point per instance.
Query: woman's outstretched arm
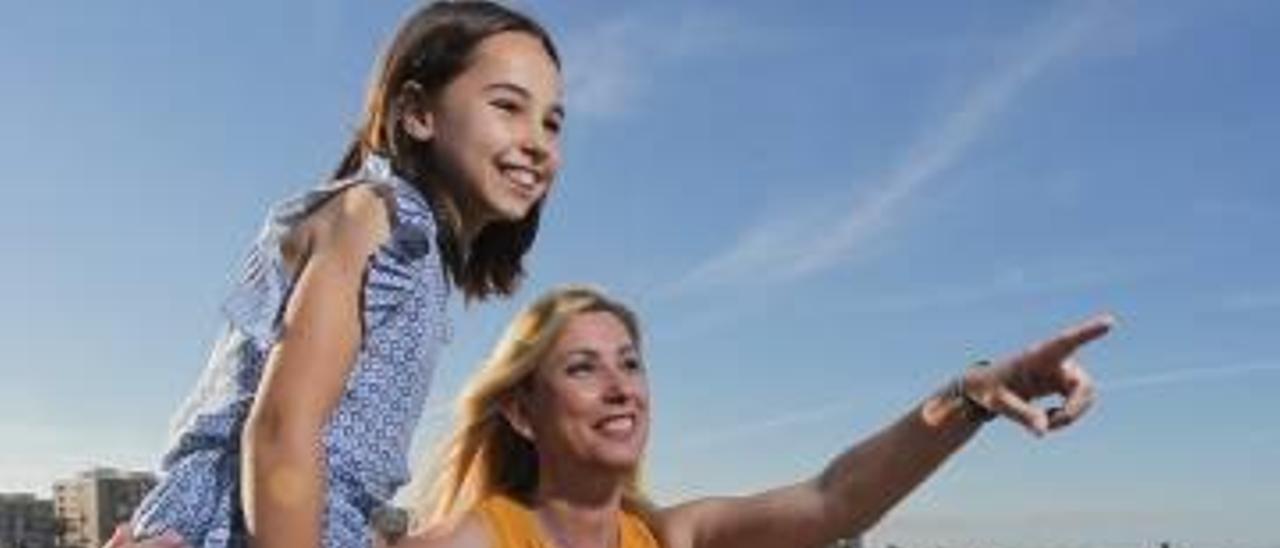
(860, 485)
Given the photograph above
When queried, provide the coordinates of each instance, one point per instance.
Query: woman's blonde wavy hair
(483, 455)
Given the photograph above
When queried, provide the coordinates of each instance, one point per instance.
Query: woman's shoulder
(679, 526)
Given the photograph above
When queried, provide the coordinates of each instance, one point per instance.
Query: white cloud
(609, 65)
(763, 426)
(1252, 301)
(1183, 376)
(600, 65)
(755, 429)
(1011, 282)
(782, 250)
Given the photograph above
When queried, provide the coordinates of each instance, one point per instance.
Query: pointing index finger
(1077, 336)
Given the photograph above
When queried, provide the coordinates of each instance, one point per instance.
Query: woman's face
(495, 128)
(589, 404)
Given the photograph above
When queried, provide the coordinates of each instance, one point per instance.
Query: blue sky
(821, 212)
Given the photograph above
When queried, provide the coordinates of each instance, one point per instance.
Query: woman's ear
(515, 412)
(414, 108)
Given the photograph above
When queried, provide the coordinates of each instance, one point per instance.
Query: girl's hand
(1009, 386)
(123, 538)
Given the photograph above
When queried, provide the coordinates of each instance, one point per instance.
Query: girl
(298, 432)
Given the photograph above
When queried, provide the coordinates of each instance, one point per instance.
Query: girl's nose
(538, 143)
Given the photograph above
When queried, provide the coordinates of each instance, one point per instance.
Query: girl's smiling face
(495, 128)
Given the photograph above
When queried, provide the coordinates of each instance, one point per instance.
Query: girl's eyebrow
(508, 86)
(556, 108)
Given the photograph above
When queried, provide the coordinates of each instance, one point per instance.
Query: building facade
(89, 506)
(27, 522)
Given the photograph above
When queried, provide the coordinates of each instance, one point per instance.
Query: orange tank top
(514, 525)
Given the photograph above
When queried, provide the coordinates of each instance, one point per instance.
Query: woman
(550, 434)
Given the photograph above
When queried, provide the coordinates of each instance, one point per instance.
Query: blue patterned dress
(367, 439)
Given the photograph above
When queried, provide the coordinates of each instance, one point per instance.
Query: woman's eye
(633, 364)
(579, 369)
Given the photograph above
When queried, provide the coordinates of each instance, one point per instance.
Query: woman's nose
(620, 387)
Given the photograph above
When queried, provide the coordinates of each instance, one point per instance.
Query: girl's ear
(514, 410)
(416, 116)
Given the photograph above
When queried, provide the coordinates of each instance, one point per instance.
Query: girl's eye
(552, 126)
(506, 105)
(633, 364)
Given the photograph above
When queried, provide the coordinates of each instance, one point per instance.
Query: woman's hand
(1009, 386)
(123, 538)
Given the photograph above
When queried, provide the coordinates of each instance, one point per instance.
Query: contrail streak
(831, 409)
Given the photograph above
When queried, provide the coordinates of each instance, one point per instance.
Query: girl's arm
(284, 475)
(862, 484)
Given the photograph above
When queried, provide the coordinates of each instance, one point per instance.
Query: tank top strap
(636, 533)
(514, 525)
(511, 523)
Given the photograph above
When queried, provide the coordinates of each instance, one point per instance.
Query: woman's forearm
(861, 484)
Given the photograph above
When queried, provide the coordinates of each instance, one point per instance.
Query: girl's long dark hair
(431, 48)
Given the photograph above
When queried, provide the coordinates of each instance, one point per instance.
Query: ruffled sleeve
(389, 281)
(405, 260)
(256, 304)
